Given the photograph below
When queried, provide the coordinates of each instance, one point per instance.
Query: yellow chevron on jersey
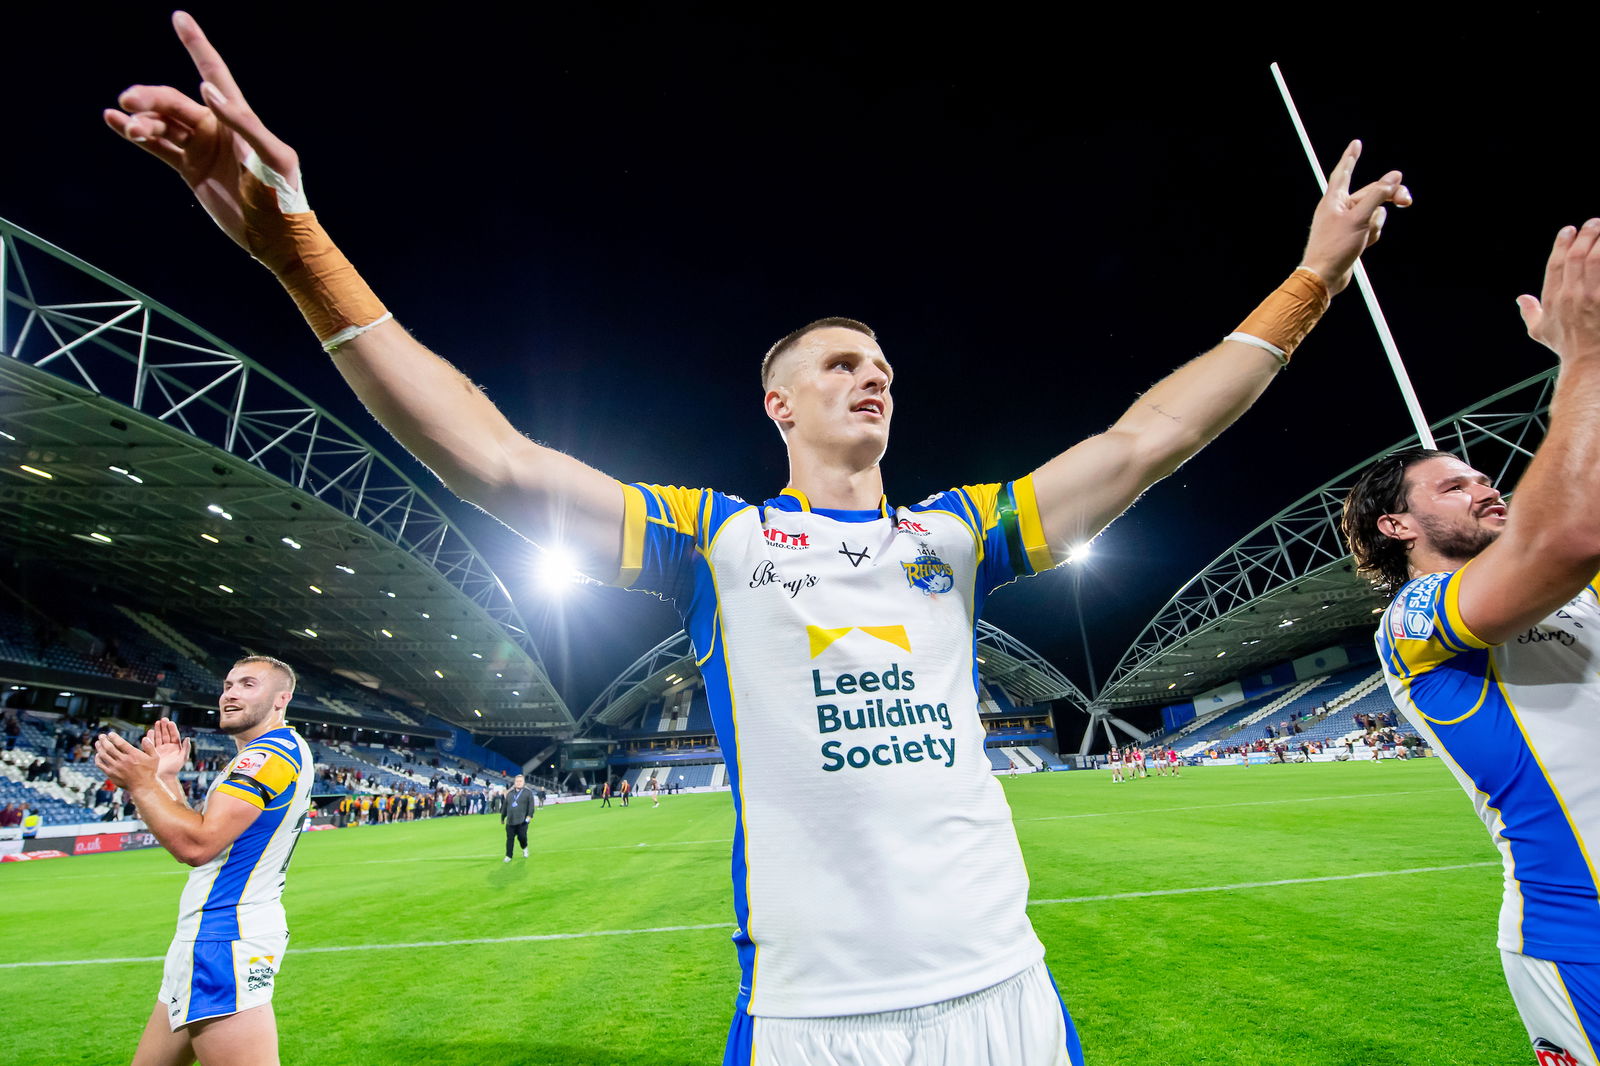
(822, 639)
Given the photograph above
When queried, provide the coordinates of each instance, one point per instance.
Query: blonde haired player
(215, 1003)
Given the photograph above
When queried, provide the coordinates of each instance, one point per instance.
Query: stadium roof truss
(1002, 660)
(147, 437)
(1288, 587)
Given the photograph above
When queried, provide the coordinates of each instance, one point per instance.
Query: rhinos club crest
(928, 573)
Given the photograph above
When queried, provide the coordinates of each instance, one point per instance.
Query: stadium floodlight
(982, 660)
(6, 435)
(477, 712)
(425, 614)
(314, 588)
(439, 674)
(101, 537)
(557, 571)
(225, 588)
(36, 472)
(386, 633)
(208, 536)
(454, 637)
(514, 692)
(216, 510)
(341, 566)
(1172, 686)
(475, 655)
(1078, 554)
(291, 542)
(1220, 654)
(309, 632)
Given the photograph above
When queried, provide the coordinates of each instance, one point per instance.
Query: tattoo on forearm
(1165, 414)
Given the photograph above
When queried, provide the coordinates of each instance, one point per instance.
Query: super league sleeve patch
(1415, 611)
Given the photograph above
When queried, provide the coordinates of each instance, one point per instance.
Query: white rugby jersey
(875, 866)
(239, 894)
(1519, 725)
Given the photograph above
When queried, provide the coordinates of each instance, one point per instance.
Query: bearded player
(835, 632)
(1491, 648)
(215, 1003)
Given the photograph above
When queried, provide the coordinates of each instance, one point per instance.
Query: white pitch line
(729, 925)
(1247, 803)
(556, 851)
(414, 944)
(1261, 884)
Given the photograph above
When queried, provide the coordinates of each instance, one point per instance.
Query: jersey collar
(793, 499)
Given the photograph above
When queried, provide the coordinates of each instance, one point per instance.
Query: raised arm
(191, 836)
(1085, 487)
(1550, 548)
(250, 183)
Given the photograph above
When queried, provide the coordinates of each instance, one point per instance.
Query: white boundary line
(729, 925)
(1261, 884)
(1223, 806)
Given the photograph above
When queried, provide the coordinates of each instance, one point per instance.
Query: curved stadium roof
(168, 465)
(1288, 587)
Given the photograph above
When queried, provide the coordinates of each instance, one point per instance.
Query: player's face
(832, 393)
(1452, 509)
(252, 694)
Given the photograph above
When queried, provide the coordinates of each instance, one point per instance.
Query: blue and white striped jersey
(1519, 725)
(875, 865)
(239, 894)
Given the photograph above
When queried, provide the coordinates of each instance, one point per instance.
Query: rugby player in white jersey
(215, 1003)
(1491, 647)
(879, 889)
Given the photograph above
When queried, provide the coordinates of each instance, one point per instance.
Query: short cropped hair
(1381, 490)
(278, 664)
(789, 340)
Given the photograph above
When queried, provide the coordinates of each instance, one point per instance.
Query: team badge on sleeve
(1413, 614)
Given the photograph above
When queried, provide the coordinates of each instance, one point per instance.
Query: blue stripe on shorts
(213, 986)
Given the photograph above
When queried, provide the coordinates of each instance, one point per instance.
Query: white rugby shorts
(1560, 1006)
(1018, 1022)
(212, 978)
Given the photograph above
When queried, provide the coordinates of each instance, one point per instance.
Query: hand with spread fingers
(207, 143)
(1565, 317)
(1346, 223)
(128, 766)
(170, 749)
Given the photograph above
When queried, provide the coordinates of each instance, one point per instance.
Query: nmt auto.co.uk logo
(791, 541)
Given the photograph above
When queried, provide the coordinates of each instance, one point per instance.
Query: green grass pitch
(1398, 967)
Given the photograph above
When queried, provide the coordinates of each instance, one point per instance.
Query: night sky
(605, 219)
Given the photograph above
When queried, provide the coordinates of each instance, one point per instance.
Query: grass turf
(1393, 968)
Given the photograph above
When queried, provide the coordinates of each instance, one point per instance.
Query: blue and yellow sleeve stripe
(260, 789)
(650, 510)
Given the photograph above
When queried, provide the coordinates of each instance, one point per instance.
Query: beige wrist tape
(282, 231)
(1285, 317)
